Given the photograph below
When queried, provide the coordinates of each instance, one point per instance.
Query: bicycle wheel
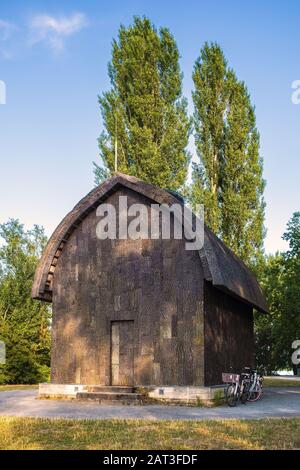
(245, 395)
(230, 395)
(255, 395)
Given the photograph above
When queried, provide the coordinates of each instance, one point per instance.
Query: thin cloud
(53, 30)
(7, 29)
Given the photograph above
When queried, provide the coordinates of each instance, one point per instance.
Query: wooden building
(143, 312)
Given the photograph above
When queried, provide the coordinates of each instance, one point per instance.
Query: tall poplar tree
(228, 178)
(144, 114)
(210, 102)
(242, 224)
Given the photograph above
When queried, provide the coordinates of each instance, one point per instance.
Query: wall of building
(157, 284)
(228, 332)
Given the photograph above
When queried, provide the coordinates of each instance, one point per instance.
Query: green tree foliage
(144, 111)
(272, 280)
(210, 97)
(280, 279)
(24, 323)
(228, 179)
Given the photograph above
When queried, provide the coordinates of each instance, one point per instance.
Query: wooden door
(122, 353)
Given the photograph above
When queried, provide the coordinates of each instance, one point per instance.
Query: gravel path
(277, 402)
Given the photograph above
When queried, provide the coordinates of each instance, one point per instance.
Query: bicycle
(256, 389)
(238, 387)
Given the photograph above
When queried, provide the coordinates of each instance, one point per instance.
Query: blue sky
(53, 60)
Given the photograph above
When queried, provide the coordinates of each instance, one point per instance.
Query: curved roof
(221, 266)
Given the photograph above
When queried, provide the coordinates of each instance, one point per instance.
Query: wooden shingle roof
(221, 266)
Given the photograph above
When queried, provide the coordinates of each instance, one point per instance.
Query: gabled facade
(143, 312)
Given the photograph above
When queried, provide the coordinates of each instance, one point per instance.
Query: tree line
(145, 115)
(146, 133)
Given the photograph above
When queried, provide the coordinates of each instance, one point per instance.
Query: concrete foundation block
(186, 394)
(48, 390)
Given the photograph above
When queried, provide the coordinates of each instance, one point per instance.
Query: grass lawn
(35, 433)
(281, 382)
(7, 388)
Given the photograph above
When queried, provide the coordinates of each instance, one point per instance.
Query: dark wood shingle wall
(157, 284)
(228, 332)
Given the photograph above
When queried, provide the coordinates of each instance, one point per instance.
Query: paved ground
(277, 402)
(283, 377)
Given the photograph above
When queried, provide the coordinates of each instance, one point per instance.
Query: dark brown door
(122, 353)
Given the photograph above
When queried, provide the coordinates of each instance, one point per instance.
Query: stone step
(111, 397)
(109, 389)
